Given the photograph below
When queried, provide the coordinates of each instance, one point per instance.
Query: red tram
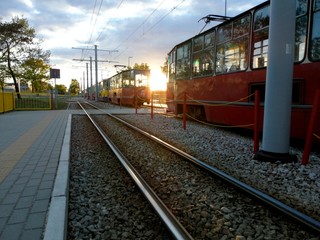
(128, 85)
(228, 62)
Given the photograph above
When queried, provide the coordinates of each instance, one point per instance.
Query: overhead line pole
(96, 64)
(90, 96)
(89, 90)
(87, 68)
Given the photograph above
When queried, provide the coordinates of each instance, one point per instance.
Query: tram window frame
(171, 66)
(315, 42)
(198, 43)
(141, 79)
(259, 59)
(203, 58)
(119, 81)
(183, 61)
(233, 55)
(260, 38)
(301, 30)
(125, 76)
(300, 40)
(224, 33)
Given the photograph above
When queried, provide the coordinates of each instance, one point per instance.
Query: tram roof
(223, 23)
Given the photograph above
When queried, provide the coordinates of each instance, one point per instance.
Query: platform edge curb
(56, 227)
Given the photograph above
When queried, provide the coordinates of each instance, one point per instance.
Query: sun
(158, 81)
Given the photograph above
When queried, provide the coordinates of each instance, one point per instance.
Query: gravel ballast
(295, 185)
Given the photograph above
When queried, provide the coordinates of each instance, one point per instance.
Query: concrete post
(90, 92)
(96, 66)
(87, 89)
(277, 111)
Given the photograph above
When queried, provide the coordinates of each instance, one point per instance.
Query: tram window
(301, 29)
(261, 18)
(125, 83)
(224, 33)
(209, 39)
(315, 35)
(112, 83)
(301, 7)
(202, 63)
(171, 65)
(183, 62)
(261, 37)
(241, 27)
(197, 44)
(119, 81)
(232, 56)
(300, 38)
(125, 79)
(141, 80)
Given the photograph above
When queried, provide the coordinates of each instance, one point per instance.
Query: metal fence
(33, 102)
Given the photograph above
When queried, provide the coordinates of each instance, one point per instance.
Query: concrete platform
(30, 151)
(34, 172)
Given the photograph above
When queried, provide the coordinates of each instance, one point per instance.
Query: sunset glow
(158, 80)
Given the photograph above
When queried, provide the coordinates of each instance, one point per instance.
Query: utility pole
(95, 49)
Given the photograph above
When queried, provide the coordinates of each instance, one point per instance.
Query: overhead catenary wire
(110, 19)
(163, 17)
(93, 10)
(94, 25)
(143, 22)
(160, 20)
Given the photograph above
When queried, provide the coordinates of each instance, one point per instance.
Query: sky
(125, 31)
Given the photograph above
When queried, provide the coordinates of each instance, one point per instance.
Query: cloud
(144, 29)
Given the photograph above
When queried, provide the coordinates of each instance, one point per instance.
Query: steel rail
(175, 227)
(266, 199)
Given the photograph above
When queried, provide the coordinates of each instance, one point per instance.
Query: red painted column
(256, 121)
(185, 111)
(307, 147)
(152, 105)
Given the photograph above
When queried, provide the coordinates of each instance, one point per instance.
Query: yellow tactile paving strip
(13, 153)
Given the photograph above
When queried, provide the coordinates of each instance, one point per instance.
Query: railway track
(200, 203)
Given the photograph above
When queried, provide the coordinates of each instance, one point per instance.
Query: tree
(165, 67)
(74, 88)
(61, 89)
(16, 45)
(142, 66)
(35, 71)
(3, 76)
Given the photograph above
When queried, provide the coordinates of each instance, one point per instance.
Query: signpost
(55, 73)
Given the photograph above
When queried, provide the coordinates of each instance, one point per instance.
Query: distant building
(9, 87)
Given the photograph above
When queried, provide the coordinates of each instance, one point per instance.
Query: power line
(94, 8)
(160, 20)
(144, 21)
(109, 21)
(94, 25)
